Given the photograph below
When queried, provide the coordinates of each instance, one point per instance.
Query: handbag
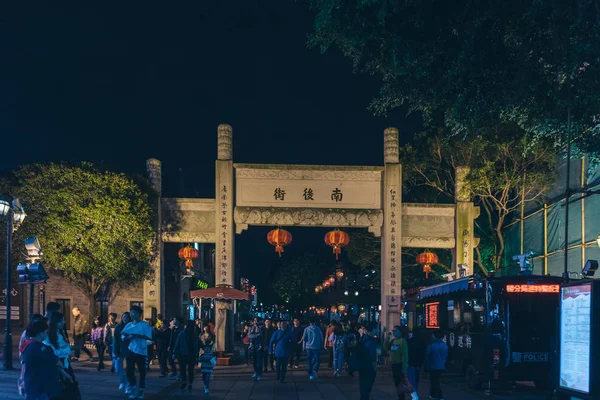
(70, 390)
(405, 387)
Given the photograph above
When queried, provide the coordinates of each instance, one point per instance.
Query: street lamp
(14, 215)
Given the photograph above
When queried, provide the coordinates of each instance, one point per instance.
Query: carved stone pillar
(225, 233)
(391, 238)
(154, 288)
(465, 217)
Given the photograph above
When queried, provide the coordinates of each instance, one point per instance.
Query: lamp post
(14, 215)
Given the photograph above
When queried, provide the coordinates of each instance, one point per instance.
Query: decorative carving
(153, 169)
(324, 173)
(189, 237)
(391, 146)
(307, 217)
(428, 242)
(224, 142)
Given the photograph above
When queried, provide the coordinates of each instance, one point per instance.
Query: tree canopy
(471, 65)
(95, 227)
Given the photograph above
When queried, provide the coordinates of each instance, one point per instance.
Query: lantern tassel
(279, 249)
(337, 251)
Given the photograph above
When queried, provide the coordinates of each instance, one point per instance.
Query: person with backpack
(280, 346)
(435, 356)
(397, 348)
(98, 341)
(366, 352)
(187, 347)
(352, 338)
(338, 341)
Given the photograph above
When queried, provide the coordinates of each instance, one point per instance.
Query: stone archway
(313, 195)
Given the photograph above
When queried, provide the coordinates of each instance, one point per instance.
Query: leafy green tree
(506, 172)
(95, 227)
(475, 64)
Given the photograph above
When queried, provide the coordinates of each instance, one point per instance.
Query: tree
(95, 227)
(471, 65)
(505, 172)
(364, 252)
(295, 280)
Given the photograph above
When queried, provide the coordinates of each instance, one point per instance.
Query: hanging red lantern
(427, 259)
(279, 238)
(331, 279)
(339, 274)
(326, 284)
(337, 239)
(188, 254)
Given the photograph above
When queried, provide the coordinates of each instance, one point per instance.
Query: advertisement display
(575, 339)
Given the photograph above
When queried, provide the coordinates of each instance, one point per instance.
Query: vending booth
(579, 350)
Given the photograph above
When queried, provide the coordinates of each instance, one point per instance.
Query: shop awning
(446, 287)
(219, 293)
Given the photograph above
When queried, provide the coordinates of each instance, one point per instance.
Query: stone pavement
(235, 382)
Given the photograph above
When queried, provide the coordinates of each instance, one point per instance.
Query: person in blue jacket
(366, 351)
(281, 346)
(435, 356)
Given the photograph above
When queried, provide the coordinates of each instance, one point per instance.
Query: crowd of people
(278, 346)
(47, 354)
(132, 343)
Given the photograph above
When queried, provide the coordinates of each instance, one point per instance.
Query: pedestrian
(151, 345)
(186, 351)
(137, 333)
(256, 334)
(313, 343)
(98, 341)
(352, 338)
(246, 342)
(119, 353)
(297, 332)
(24, 337)
(416, 358)
(207, 363)
(109, 336)
(397, 348)
(268, 354)
(366, 352)
(338, 341)
(176, 327)
(80, 332)
(280, 345)
(328, 345)
(42, 376)
(435, 358)
(57, 340)
(162, 335)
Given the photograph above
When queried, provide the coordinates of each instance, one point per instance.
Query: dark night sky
(124, 83)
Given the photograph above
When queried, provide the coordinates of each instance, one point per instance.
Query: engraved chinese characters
(308, 194)
(223, 261)
(394, 248)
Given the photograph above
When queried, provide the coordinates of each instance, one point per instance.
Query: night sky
(117, 85)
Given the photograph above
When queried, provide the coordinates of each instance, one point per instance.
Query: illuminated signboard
(532, 288)
(575, 336)
(431, 315)
(201, 284)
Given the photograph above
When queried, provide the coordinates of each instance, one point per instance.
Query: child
(207, 363)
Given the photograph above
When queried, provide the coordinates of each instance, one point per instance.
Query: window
(65, 309)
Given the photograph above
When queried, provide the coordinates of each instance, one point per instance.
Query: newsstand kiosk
(579, 350)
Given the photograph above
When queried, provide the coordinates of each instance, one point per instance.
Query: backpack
(97, 336)
(339, 343)
(352, 340)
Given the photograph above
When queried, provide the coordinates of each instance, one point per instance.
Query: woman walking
(281, 346)
(186, 351)
(119, 351)
(58, 342)
(338, 342)
(98, 341)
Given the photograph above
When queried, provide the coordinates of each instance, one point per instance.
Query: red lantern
(427, 259)
(339, 274)
(326, 284)
(188, 254)
(331, 279)
(279, 238)
(337, 239)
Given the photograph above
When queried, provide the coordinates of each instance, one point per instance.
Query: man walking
(397, 348)
(436, 355)
(367, 359)
(175, 328)
(267, 351)
(109, 336)
(162, 336)
(138, 333)
(255, 335)
(80, 332)
(313, 342)
(119, 352)
(297, 332)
